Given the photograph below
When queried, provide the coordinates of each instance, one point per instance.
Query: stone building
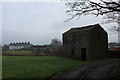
(86, 43)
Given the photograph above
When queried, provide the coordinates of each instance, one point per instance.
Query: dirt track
(95, 70)
(104, 72)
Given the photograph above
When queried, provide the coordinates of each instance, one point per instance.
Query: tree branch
(87, 7)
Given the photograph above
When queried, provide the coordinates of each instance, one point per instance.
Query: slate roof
(20, 44)
(85, 28)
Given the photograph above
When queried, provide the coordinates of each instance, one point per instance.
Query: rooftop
(85, 28)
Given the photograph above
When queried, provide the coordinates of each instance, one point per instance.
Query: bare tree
(109, 9)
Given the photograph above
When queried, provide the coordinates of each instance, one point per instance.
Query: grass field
(18, 52)
(0, 67)
(35, 66)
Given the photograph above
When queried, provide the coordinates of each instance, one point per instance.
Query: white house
(17, 46)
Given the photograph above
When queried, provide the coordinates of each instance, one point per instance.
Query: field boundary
(25, 55)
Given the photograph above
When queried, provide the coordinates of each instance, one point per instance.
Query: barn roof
(85, 28)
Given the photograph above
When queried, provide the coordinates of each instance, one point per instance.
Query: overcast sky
(39, 22)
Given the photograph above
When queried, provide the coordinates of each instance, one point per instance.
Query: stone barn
(86, 43)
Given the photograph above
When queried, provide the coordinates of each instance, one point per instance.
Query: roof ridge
(86, 26)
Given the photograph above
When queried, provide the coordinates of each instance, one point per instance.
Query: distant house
(86, 43)
(5, 47)
(55, 42)
(113, 46)
(20, 45)
(40, 48)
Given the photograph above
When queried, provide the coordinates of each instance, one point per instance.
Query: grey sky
(39, 22)
(0, 23)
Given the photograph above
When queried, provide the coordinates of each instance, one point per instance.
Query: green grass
(18, 52)
(0, 67)
(35, 66)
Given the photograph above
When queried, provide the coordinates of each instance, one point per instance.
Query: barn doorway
(83, 54)
(72, 52)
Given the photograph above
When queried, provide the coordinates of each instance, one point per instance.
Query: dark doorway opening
(83, 54)
(72, 52)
